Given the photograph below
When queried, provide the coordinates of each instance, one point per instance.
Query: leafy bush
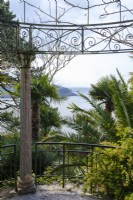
(112, 174)
(44, 159)
(129, 197)
(8, 159)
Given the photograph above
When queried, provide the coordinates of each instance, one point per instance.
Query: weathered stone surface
(25, 182)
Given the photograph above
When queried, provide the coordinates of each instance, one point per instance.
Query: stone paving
(52, 192)
(43, 195)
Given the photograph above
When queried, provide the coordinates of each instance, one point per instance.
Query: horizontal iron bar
(66, 25)
(72, 52)
(9, 145)
(74, 144)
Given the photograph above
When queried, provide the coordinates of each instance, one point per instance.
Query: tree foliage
(42, 93)
(110, 105)
(112, 176)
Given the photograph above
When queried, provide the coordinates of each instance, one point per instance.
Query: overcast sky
(83, 70)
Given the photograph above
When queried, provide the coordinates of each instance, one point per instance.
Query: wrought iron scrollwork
(37, 41)
(71, 39)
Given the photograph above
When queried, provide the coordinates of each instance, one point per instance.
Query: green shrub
(8, 160)
(44, 159)
(129, 197)
(112, 174)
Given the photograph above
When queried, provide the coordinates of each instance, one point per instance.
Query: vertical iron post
(63, 177)
(87, 162)
(0, 155)
(24, 11)
(56, 12)
(35, 163)
(92, 152)
(82, 42)
(88, 14)
(30, 38)
(15, 166)
(0, 135)
(120, 10)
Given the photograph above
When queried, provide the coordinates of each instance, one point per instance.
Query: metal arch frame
(71, 39)
(68, 38)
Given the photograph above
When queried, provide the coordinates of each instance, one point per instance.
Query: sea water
(63, 106)
(79, 101)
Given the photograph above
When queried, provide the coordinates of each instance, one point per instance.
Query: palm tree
(111, 109)
(102, 92)
(123, 103)
(42, 92)
(95, 124)
(50, 120)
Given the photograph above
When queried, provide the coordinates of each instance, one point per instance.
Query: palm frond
(120, 99)
(122, 80)
(82, 125)
(75, 109)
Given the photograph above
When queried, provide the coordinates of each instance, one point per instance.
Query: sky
(83, 70)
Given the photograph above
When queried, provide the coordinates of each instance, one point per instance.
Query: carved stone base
(26, 186)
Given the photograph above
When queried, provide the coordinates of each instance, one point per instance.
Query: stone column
(25, 181)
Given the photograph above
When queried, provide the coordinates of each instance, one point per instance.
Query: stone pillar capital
(25, 59)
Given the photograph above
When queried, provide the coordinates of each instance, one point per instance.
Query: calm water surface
(63, 106)
(80, 102)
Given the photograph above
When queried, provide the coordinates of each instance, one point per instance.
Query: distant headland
(63, 92)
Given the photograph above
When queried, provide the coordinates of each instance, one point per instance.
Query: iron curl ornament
(75, 41)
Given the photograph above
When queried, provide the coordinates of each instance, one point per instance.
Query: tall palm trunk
(35, 121)
(109, 106)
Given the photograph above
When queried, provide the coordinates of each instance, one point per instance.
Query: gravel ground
(55, 196)
(50, 193)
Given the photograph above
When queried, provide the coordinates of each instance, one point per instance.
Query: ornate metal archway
(105, 36)
(60, 38)
(70, 39)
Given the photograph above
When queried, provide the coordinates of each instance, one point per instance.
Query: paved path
(56, 196)
(52, 193)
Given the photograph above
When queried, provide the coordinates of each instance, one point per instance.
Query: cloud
(86, 70)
